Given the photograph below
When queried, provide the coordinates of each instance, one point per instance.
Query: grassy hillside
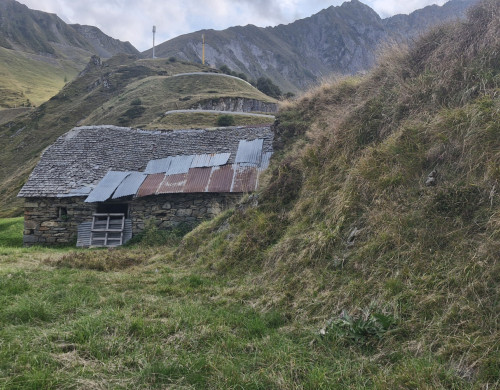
(8, 115)
(31, 79)
(203, 120)
(122, 91)
(347, 235)
(153, 96)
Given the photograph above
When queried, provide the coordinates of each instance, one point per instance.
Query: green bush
(225, 120)
(265, 85)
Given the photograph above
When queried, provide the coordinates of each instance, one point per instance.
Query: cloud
(132, 20)
(387, 8)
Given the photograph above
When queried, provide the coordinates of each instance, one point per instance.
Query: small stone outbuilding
(100, 185)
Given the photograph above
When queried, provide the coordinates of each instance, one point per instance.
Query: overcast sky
(132, 20)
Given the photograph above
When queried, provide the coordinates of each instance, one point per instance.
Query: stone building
(100, 185)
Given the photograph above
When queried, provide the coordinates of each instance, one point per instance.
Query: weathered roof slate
(79, 159)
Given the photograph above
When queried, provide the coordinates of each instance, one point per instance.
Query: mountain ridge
(339, 39)
(33, 31)
(39, 53)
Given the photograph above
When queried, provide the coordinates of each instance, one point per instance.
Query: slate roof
(81, 158)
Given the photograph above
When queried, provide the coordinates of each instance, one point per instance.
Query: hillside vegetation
(404, 276)
(155, 95)
(30, 79)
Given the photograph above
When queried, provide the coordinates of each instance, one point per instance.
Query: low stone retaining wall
(237, 105)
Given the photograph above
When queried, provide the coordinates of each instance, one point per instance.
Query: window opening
(62, 213)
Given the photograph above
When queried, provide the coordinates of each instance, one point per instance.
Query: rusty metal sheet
(197, 179)
(107, 186)
(130, 185)
(249, 152)
(173, 184)
(158, 166)
(150, 185)
(245, 179)
(221, 179)
(180, 164)
(210, 160)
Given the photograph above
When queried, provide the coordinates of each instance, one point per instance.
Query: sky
(132, 20)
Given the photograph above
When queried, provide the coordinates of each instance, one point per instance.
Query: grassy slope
(356, 154)
(9, 114)
(202, 120)
(158, 94)
(26, 76)
(138, 323)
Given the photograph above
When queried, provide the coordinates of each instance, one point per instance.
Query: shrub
(132, 113)
(265, 85)
(225, 120)
(225, 69)
(136, 102)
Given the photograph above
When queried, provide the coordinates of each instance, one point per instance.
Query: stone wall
(43, 224)
(170, 210)
(237, 105)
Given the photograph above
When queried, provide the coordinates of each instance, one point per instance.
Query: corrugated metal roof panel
(249, 151)
(197, 179)
(180, 164)
(210, 160)
(264, 163)
(158, 166)
(219, 159)
(201, 160)
(245, 179)
(130, 185)
(221, 179)
(173, 184)
(150, 185)
(106, 186)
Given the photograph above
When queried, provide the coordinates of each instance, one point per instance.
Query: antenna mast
(203, 49)
(154, 32)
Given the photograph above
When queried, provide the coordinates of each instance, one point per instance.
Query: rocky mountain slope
(344, 39)
(103, 44)
(37, 32)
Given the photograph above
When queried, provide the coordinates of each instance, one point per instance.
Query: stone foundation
(45, 223)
